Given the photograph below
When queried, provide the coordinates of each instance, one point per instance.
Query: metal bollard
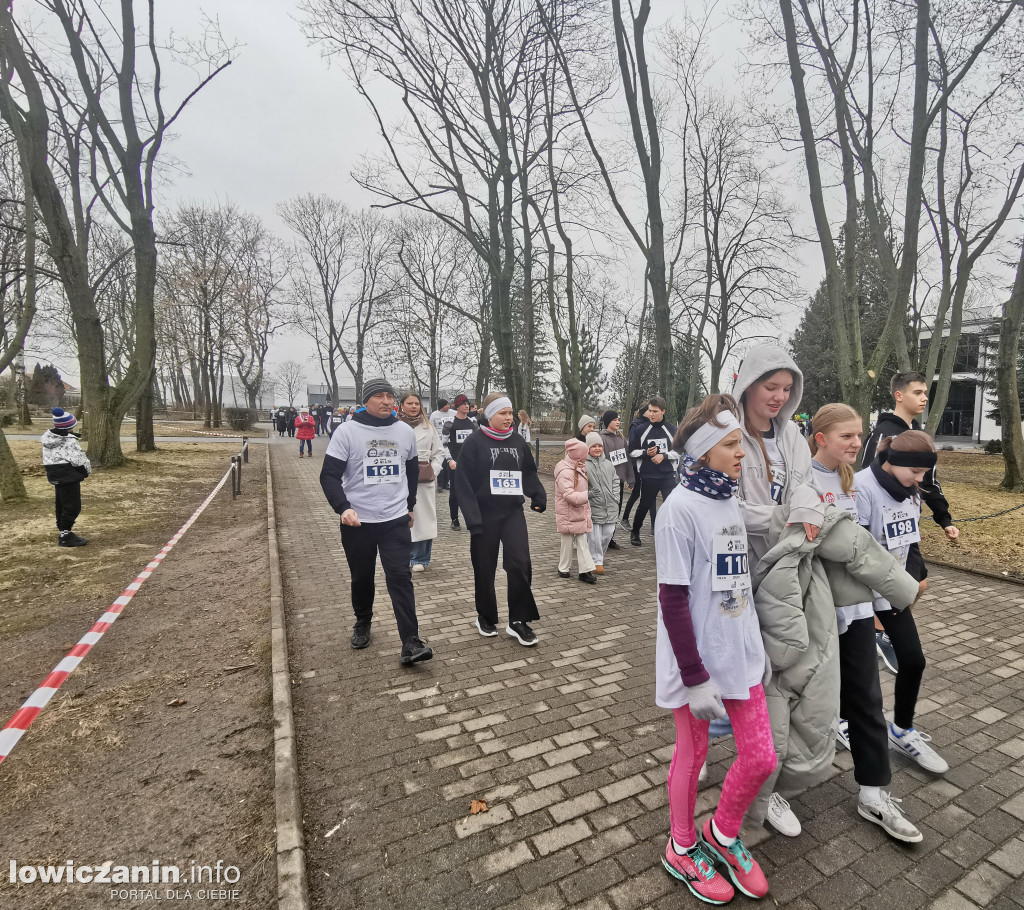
(245, 449)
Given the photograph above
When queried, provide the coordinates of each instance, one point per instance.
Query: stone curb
(1012, 579)
(292, 886)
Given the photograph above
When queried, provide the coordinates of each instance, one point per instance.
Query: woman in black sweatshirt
(496, 472)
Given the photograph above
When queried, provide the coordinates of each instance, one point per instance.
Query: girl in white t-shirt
(710, 657)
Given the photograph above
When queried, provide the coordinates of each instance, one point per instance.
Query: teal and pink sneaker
(696, 869)
(743, 869)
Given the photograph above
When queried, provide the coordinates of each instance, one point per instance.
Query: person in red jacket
(305, 429)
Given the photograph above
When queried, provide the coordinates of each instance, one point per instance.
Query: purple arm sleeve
(675, 613)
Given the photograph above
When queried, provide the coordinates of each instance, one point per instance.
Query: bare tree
(291, 377)
(108, 116)
(1007, 383)
(860, 55)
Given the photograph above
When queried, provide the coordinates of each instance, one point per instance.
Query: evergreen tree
(46, 389)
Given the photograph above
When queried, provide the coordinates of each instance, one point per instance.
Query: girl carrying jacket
(572, 511)
(710, 660)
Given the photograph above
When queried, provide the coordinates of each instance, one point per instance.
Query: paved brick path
(565, 744)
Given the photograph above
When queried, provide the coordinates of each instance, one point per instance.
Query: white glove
(767, 678)
(706, 702)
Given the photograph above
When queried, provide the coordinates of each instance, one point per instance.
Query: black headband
(900, 459)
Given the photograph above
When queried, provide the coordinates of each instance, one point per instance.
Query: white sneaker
(703, 776)
(781, 817)
(914, 745)
(418, 567)
(843, 734)
(889, 816)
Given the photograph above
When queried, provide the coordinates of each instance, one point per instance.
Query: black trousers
(509, 531)
(453, 496)
(902, 632)
(634, 495)
(652, 486)
(393, 541)
(444, 479)
(860, 704)
(68, 504)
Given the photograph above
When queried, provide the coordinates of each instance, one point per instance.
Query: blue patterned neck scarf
(703, 480)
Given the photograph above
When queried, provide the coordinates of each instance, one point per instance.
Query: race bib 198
(729, 552)
(617, 457)
(900, 525)
(507, 483)
(381, 469)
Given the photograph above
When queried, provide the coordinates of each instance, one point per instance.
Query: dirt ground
(159, 746)
(971, 484)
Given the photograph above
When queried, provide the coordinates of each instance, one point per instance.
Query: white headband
(495, 406)
(706, 437)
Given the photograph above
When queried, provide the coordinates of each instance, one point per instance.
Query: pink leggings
(755, 761)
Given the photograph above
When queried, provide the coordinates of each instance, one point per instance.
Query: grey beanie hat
(584, 420)
(373, 387)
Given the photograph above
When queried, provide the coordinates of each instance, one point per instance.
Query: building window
(958, 417)
(966, 360)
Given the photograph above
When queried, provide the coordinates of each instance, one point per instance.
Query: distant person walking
(370, 477)
(305, 429)
(428, 450)
(66, 467)
(456, 432)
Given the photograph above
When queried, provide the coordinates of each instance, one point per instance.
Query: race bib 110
(729, 552)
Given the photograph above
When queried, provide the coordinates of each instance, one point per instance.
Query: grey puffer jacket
(799, 585)
(604, 506)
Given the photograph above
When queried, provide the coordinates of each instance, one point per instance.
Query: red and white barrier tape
(23, 717)
(171, 426)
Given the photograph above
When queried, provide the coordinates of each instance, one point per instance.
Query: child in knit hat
(66, 467)
(601, 486)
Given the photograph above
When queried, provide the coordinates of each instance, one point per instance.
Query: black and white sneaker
(625, 525)
(887, 652)
(70, 539)
(455, 524)
(360, 636)
(485, 628)
(522, 633)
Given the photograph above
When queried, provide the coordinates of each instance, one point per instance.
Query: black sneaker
(887, 652)
(360, 635)
(562, 574)
(589, 577)
(522, 633)
(414, 651)
(485, 628)
(71, 539)
(455, 524)
(613, 544)
(634, 538)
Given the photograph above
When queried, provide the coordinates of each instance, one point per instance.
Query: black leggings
(899, 625)
(860, 704)
(652, 486)
(634, 495)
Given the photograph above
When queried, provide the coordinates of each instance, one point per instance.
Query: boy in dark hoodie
(910, 394)
(66, 467)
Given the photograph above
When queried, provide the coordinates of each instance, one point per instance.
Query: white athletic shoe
(843, 734)
(889, 816)
(418, 567)
(914, 744)
(781, 817)
(703, 776)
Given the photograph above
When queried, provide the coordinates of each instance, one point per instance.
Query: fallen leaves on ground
(477, 806)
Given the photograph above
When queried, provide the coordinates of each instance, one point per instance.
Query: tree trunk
(1007, 387)
(145, 440)
(12, 487)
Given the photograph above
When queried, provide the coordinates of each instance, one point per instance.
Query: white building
(965, 419)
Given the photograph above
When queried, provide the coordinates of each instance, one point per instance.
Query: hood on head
(576, 450)
(761, 360)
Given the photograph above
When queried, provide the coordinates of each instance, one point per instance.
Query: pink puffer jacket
(572, 505)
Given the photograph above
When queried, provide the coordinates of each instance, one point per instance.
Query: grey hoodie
(763, 517)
